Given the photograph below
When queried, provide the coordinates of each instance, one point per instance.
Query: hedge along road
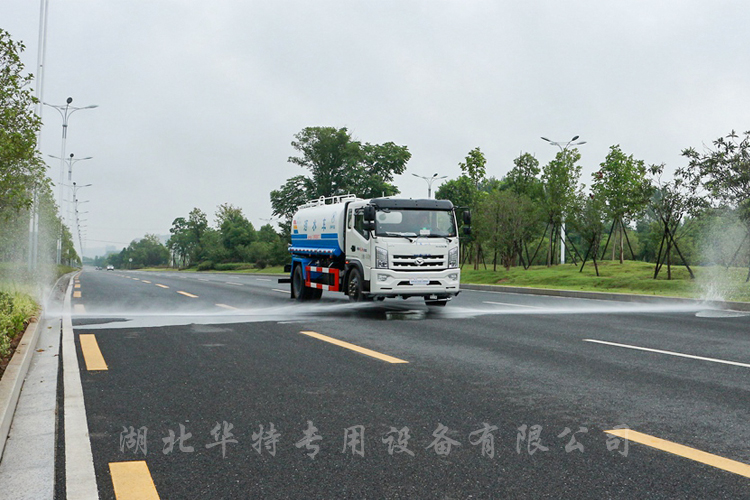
(222, 392)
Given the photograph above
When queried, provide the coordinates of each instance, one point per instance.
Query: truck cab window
(359, 224)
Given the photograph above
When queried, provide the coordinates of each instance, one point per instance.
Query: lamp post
(429, 181)
(71, 161)
(563, 149)
(65, 112)
(77, 220)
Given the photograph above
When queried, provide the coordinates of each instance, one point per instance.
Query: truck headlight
(381, 258)
(453, 258)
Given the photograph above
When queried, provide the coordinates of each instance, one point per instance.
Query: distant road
(220, 386)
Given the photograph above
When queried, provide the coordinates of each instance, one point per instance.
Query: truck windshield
(413, 223)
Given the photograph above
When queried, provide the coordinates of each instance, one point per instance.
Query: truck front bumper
(389, 283)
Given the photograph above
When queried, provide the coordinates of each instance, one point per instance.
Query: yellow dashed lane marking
(186, 294)
(132, 481)
(684, 451)
(79, 309)
(77, 285)
(162, 286)
(76, 295)
(226, 306)
(146, 281)
(91, 353)
(361, 350)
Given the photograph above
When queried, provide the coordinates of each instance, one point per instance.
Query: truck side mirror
(370, 214)
(467, 230)
(467, 218)
(368, 225)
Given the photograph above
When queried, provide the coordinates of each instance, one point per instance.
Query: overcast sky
(199, 100)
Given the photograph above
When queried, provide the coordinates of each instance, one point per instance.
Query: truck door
(357, 239)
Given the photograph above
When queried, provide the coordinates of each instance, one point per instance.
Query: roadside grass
(712, 282)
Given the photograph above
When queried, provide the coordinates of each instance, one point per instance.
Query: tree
(523, 178)
(622, 185)
(338, 165)
(21, 168)
(560, 190)
(186, 242)
(670, 202)
(503, 223)
(474, 167)
(589, 223)
(724, 172)
(234, 229)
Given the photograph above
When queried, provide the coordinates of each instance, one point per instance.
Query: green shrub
(206, 265)
(16, 309)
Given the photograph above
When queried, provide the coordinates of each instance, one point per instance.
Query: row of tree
(629, 206)
(24, 185)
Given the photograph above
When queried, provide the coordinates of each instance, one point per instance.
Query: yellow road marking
(146, 281)
(163, 286)
(361, 350)
(77, 285)
(188, 295)
(277, 290)
(76, 295)
(684, 451)
(91, 353)
(79, 309)
(225, 306)
(132, 480)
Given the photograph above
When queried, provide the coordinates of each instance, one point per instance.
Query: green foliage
(20, 165)
(338, 165)
(560, 185)
(149, 251)
(474, 167)
(504, 221)
(523, 178)
(16, 309)
(622, 184)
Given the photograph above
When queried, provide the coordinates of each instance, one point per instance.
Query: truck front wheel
(354, 286)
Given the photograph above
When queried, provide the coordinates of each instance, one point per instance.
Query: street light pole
(65, 112)
(563, 149)
(429, 181)
(71, 161)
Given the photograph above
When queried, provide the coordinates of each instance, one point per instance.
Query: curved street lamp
(65, 112)
(430, 180)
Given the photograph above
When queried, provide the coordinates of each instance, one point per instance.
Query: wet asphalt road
(500, 396)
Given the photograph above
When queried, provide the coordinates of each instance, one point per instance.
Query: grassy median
(713, 282)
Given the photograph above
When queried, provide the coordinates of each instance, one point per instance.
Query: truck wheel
(354, 286)
(300, 291)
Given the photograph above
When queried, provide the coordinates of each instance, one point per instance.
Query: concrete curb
(13, 378)
(621, 297)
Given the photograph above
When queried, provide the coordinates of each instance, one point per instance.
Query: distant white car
(110, 267)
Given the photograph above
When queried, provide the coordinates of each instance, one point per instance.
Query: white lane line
(510, 304)
(202, 279)
(80, 479)
(277, 290)
(671, 353)
(233, 283)
(226, 306)
(262, 279)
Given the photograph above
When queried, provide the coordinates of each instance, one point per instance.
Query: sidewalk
(27, 465)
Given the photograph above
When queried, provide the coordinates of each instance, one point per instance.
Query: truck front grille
(418, 262)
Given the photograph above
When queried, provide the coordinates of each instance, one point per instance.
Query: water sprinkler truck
(375, 249)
